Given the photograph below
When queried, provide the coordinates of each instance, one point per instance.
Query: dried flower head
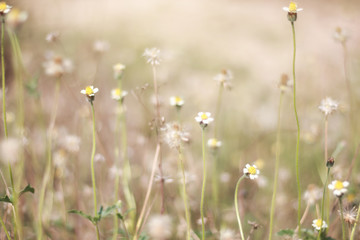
(9, 150)
(319, 224)
(340, 35)
(16, 17)
(160, 227)
(312, 194)
(57, 66)
(118, 70)
(152, 56)
(173, 135)
(285, 83)
(224, 78)
(71, 143)
(339, 188)
(349, 215)
(101, 46)
(204, 118)
(213, 143)
(292, 11)
(176, 101)
(328, 106)
(251, 171)
(118, 94)
(4, 8)
(52, 36)
(90, 91)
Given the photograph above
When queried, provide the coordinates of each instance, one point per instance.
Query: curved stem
(355, 225)
(187, 210)
(92, 160)
(298, 134)
(3, 75)
(5, 230)
(323, 203)
(342, 219)
(277, 164)
(237, 208)
(203, 187)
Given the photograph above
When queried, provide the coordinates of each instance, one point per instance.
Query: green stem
(237, 207)
(185, 198)
(3, 75)
(5, 230)
(342, 219)
(203, 187)
(97, 231)
(92, 167)
(355, 225)
(218, 105)
(323, 203)
(298, 135)
(277, 165)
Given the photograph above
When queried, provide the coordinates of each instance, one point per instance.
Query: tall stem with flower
(292, 16)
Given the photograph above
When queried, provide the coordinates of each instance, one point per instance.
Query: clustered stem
(203, 187)
(237, 207)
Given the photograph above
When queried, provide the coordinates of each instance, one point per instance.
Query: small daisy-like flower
(57, 66)
(349, 215)
(152, 56)
(4, 8)
(312, 194)
(101, 46)
(52, 36)
(118, 94)
(285, 83)
(224, 78)
(328, 106)
(118, 70)
(340, 35)
(204, 118)
(213, 143)
(90, 91)
(292, 11)
(338, 187)
(318, 224)
(176, 101)
(251, 171)
(16, 17)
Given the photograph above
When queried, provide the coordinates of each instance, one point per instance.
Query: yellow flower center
(213, 142)
(252, 170)
(117, 92)
(2, 6)
(338, 185)
(204, 116)
(89, 91)
(292, 7)
(318, 223)
(178, 99)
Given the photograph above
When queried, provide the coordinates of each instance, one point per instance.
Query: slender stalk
(218, 105)
(185, 198)
(298, 134)
(93, 169)
(140, 219)
(277, 165)
(342, 219)
(48, 169)
(3, 75)
(5, 230)
(323, 203)
(203, 187)
(355, 224)
(237, 207)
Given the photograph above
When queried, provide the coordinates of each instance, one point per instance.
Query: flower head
(4, 8)
(90, 91)
(16, 17)
(251, 171)
(318, 224)
(118, 94)
(213, 143)
(204, 118)
(9, 150)
(57, 66)
(312, 194)
(101, 46)
(52, 36)
(118, 70)
(160, 227)
(328, 106)
(173, 135)
(341, 35)
(152, 56)
(339, 187)
(285, 83)
(349, 215)
(176, 101)
(292, 11)
(224, 78)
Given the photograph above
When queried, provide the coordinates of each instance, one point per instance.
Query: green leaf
(286, 232)
(28, 188)
(81, 213)
(5, 199)
(120, 216)
(109, 211)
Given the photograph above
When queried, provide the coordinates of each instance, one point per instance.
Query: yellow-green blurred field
(54, 49)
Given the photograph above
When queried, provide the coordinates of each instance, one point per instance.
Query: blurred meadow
(231, 58)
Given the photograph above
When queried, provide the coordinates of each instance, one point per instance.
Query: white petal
(247, 165)
(286, 9)
(345, 183)
(208, 114)
(331, 186)
(198, 119)
(96, 90)
(299, 9)
(83, 91)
